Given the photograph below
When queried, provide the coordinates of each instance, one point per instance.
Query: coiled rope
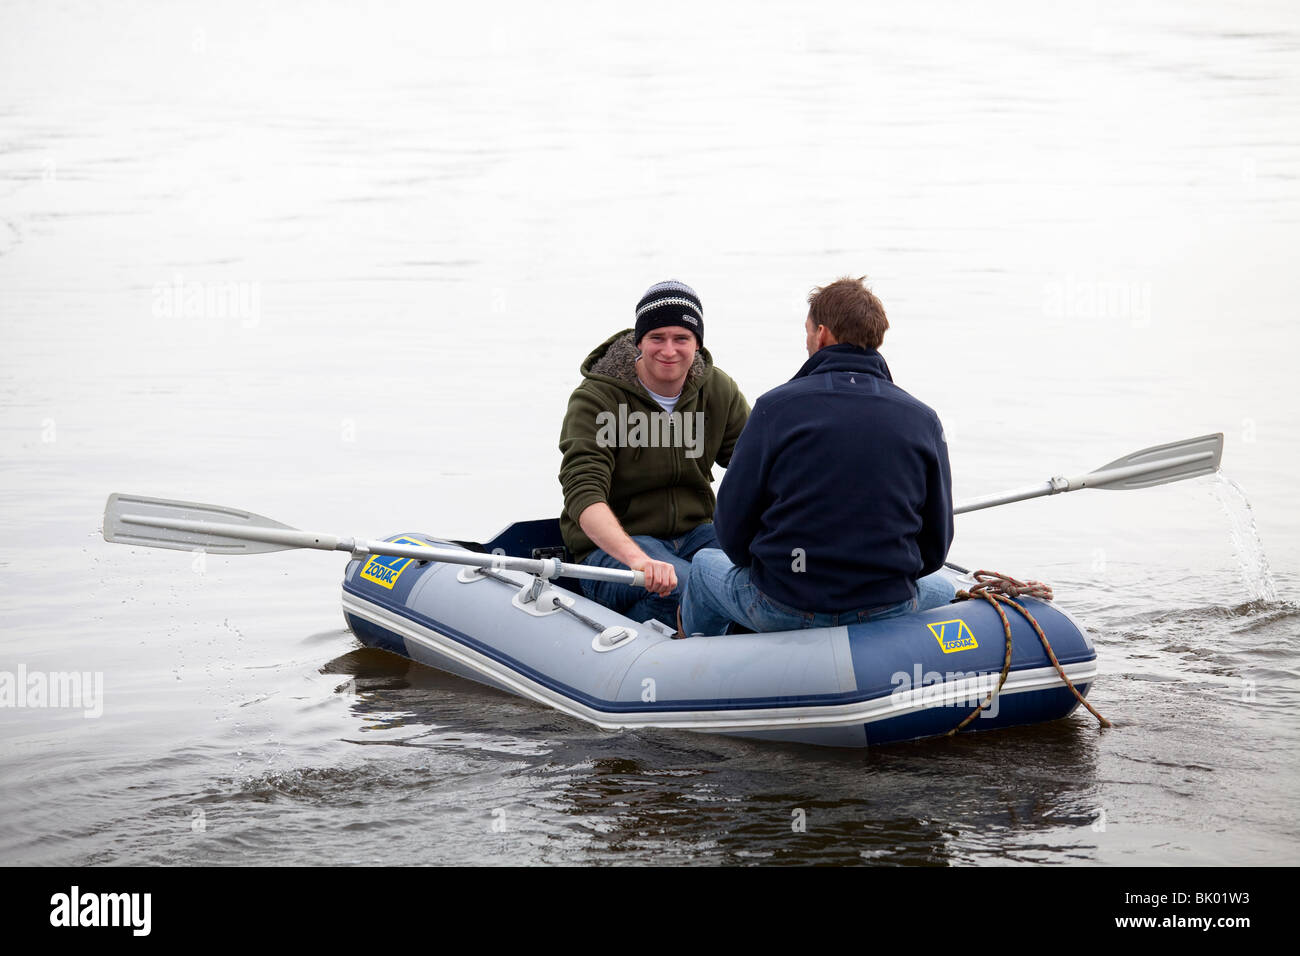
(999, 589)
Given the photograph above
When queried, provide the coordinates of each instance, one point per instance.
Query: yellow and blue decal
(953, 636)
(385, 569)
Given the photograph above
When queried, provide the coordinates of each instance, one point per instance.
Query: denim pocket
(886, 611)
(778, 616)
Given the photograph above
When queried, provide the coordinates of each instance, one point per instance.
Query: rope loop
(1006, 585)
(999, 589)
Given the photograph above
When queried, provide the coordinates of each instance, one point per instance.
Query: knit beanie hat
(669, 303)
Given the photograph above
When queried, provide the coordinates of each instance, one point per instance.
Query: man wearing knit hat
(639, 440)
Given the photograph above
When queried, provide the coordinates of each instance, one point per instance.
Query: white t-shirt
(668, 403)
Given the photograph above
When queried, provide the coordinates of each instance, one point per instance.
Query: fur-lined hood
(614, 360)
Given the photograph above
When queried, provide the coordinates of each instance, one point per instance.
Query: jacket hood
(845, 358)
(614, 361)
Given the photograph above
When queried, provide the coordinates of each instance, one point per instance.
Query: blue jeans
(718, 594)
(638, 603)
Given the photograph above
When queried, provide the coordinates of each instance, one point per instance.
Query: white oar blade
(1189, 458)
(120, 529)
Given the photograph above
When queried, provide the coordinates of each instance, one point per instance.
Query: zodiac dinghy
(907, 677)
(497, 614)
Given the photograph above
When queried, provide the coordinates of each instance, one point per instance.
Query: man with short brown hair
(850, 312)
(837, 505)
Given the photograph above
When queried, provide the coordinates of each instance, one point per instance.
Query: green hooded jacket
(620, 447)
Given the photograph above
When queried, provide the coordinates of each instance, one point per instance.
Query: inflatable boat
(504, 614)
(903, 678)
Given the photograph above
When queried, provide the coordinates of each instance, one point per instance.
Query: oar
(1157, 465)
(216, 529)
(188, 526)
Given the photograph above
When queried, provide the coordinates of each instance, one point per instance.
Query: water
(339, 266)
(1255, 573)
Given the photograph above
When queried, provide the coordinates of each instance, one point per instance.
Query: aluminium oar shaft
(292, 538)
(1158, 465)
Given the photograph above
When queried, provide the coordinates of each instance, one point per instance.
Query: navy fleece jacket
(838, 495)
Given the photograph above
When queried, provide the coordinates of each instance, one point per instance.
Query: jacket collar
(845, 358)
